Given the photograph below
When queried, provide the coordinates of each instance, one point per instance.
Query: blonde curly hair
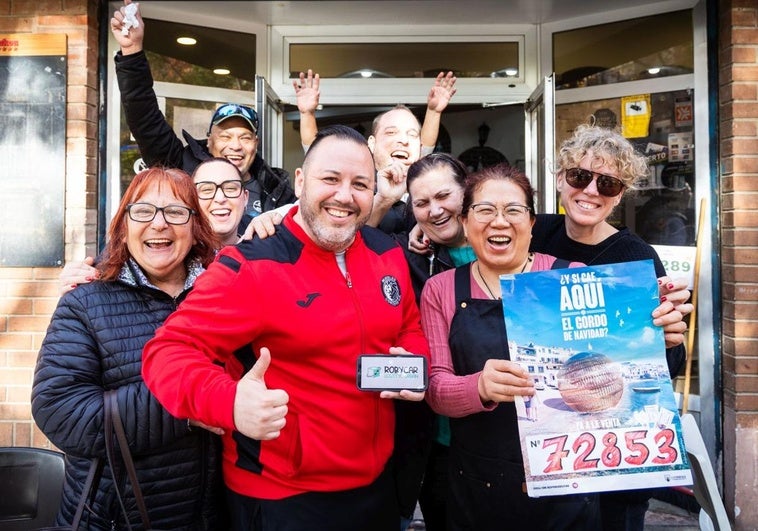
(608, 148)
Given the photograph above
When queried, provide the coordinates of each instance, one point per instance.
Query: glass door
(271, 122)
(540, 142)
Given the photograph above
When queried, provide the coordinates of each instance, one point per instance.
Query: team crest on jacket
(391, 290)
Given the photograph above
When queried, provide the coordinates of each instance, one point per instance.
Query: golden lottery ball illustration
(590, 382)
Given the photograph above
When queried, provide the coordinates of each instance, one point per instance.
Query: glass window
(406, 59)
(183, 114)
(603, 54)
(200, 63)
(661, 209)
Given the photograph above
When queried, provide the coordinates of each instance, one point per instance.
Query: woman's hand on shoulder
(264, 225)
(418, 242)
(75, 273)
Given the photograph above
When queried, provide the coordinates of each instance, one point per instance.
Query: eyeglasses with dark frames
(487, 212)
(146, 212)
(207, 189)
(606, 185)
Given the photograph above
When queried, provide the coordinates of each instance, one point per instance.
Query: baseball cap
(229, 110)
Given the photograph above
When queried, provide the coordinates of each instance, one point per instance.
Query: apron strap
(462, 284)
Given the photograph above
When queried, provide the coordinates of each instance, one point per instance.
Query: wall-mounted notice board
(32, 149)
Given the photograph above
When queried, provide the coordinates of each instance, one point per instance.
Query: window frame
(407, 90)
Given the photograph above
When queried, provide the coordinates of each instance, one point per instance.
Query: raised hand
(441, 92)
(307, 92)
(390, 181)
(130, 38)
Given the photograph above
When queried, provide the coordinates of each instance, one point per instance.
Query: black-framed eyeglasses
(487, 212)
(606, 185)
(146, 212)
(208, 189)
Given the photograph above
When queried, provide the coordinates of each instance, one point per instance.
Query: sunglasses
(232, 109)
(606, 185)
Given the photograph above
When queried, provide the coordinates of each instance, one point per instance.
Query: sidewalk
(661, 516)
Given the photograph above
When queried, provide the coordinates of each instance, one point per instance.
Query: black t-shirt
(549, 237)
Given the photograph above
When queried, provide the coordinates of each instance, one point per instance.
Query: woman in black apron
(472, 378)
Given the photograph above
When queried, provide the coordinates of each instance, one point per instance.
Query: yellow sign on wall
(635, 116)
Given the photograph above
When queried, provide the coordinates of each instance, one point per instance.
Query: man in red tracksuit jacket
(265, 348)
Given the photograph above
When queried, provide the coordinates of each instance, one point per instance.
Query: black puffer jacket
(93, 344)
(268, 187)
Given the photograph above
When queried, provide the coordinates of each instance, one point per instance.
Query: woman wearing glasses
(157, 245)
(472, 381)
(222, 198)
(596, 166)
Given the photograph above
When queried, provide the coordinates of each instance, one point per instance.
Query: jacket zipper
(359, 311)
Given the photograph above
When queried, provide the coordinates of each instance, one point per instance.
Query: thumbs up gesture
(259, 412)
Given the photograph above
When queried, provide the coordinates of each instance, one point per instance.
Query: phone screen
(388, 372)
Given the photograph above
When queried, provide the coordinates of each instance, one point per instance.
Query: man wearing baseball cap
(232, 134)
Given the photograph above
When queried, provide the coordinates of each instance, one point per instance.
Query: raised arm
(307, 92)
(129, 35)
(439, 96)
(156, 139)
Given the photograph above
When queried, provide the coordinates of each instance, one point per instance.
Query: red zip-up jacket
(289, 295)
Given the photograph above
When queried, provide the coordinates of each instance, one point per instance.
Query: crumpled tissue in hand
(130, 19)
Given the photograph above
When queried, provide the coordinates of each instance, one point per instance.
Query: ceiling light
(187, 41)
(221, 71)
(654, 70)
(365, 73)
(511, 71)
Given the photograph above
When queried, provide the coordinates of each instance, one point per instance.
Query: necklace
(485, 282)
(479, 271)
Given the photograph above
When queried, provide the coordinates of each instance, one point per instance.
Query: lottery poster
(604, 416)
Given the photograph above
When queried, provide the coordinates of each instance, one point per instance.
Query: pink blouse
(450, 394)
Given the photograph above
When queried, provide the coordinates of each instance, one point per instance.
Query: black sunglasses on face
(606, 185)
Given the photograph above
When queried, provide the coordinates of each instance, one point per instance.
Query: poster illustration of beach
(604, 416)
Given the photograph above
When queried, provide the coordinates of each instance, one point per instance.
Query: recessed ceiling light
(187, 41)
(654, 70)
(221, 71)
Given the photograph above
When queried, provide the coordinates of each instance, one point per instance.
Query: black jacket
(414, 421)
(93, 344)
(424, 266)
(269, 187)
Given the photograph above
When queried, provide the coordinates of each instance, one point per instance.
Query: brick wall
(738, 144)
(28, 296)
